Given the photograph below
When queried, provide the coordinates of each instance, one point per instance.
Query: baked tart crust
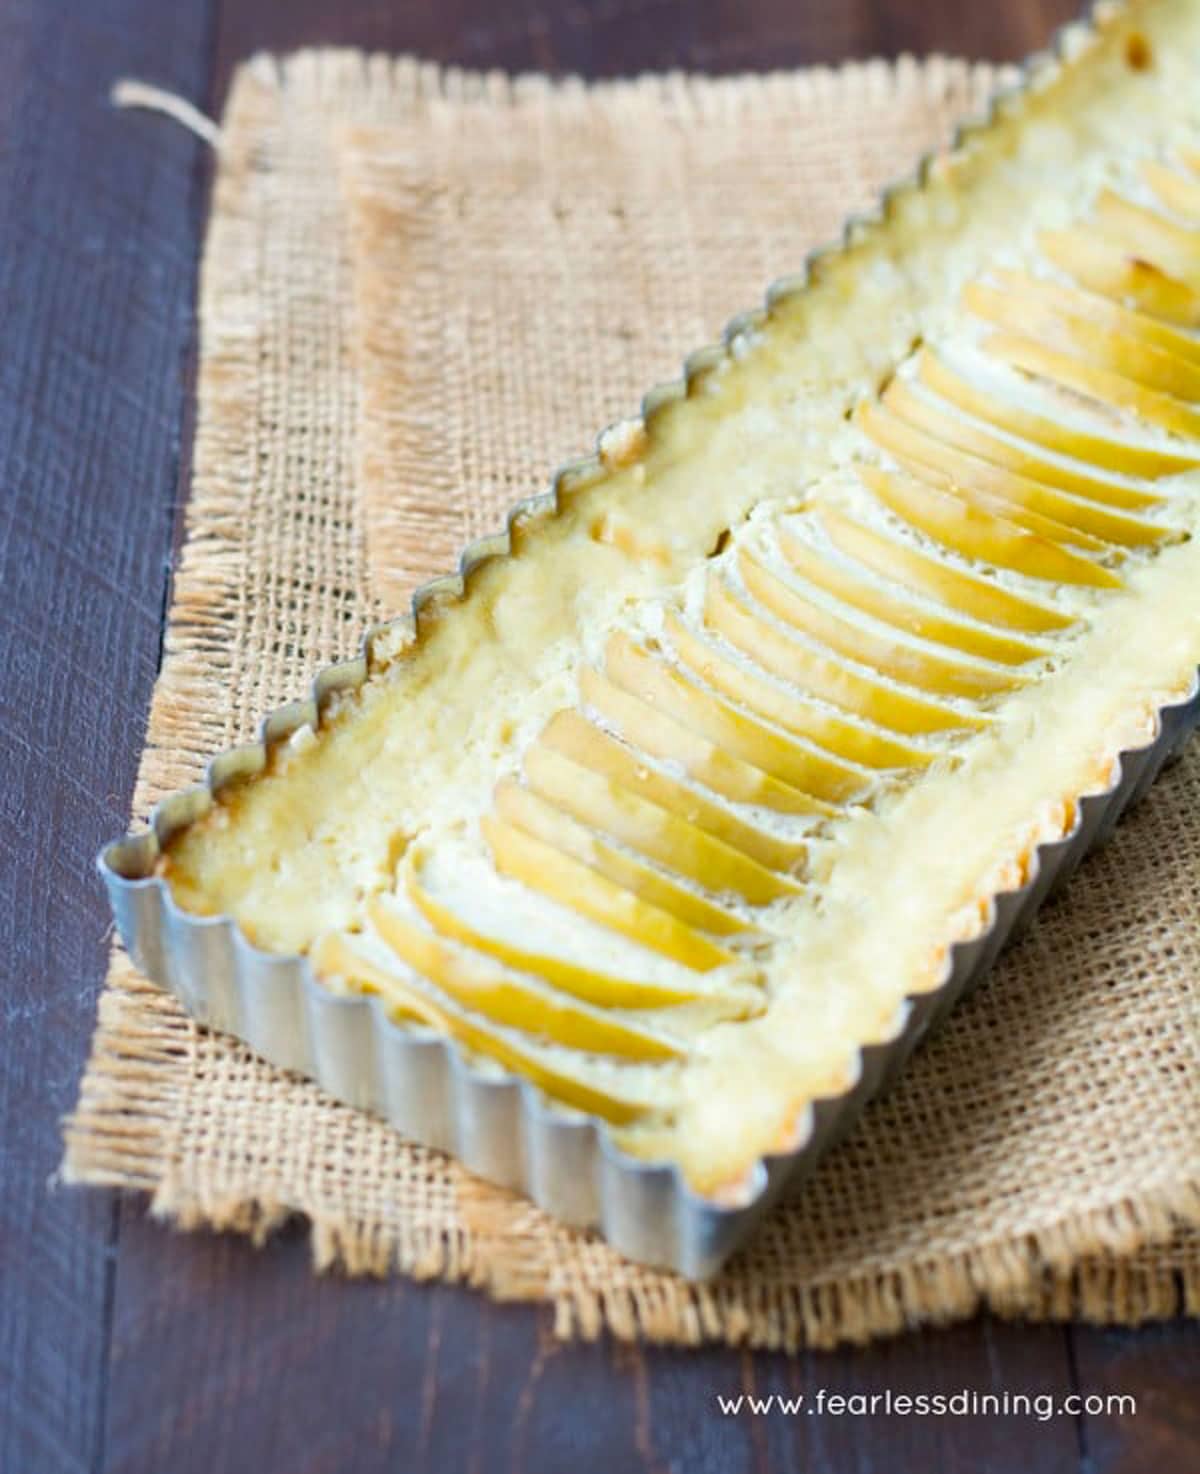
(675, 808)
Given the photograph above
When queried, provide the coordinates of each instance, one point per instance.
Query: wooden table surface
(127, 1347)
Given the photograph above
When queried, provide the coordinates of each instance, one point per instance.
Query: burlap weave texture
(421, 291)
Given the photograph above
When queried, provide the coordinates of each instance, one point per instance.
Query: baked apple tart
(675, 804)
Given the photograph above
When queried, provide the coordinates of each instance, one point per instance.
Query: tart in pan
(671, 815)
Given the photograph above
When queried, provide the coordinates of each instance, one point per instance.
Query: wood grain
(329, 1376)
(124, 1347)
(96, 280)
(1160, 1367)
(604, 38)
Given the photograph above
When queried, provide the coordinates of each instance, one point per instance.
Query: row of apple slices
(592, 811)
(804, 691)
(976, 504)
(1134, 256)
(983, 496)
(574, 831)
(794, 698)
(511, 1018)
(547, 832)
(1121, 335)
(593, 1036)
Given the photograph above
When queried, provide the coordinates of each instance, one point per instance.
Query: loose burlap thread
(420, 290)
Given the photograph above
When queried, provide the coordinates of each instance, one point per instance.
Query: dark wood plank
(865, 1432)
(1157, 1366)
(237, 1360)
(604, 38)
(96, 283)
(226, 1358)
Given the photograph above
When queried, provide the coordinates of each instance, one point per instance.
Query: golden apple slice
(1101, 450)
(575, 737)
(974, 596)
(914, 667)
(579, 888)
(903, 613)
(509, 999)
(602, 989)
(1175, 190)
(538, 816)
(654, 832)
(1101, 384)
(906, 408)
(1103, 346)
(664, 737)
(825, 675)
(336, 955)
(1103, 267)
(1053, 296)
(661, 686)
(1062, 517)
(980, 534)
(780, 705)
(922, 458)
(1173, 248)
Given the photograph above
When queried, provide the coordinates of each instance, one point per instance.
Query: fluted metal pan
(498, 1125)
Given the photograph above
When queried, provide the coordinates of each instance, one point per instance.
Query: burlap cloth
(420, 291)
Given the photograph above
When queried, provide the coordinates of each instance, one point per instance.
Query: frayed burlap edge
(1127, 1263)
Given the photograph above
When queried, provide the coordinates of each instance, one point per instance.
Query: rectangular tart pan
(499, 1125)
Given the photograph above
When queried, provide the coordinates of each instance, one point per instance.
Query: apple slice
(1052, 515)
(1062, 517)
(654, 832)
(664, 737)
(914, 667)
(1176, 191)
(575, 737)
(977, 533)
(1087, 306)
(538, 816)
(824, 674)
(602, 989)
(579, 888)
(661, 686)
(1101, 266)
(509, 999)
(1101, 450)
(740, 683)
(1105, 347)
(1101, 384)
(337, 955)
(903, 407)
(1173, 248)
(841, 583)
(975, 596)
(920, 455)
